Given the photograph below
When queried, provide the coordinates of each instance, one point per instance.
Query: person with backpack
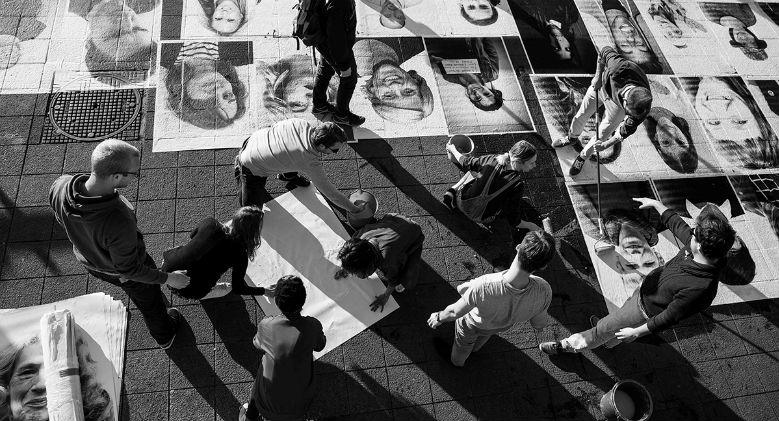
(492, 187)
(330, 26)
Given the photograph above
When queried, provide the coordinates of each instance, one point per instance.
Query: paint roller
(61, 368)
(603, 244)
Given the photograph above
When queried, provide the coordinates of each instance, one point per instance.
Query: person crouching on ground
(687, 284)
(495, 302)
(391, 247)
(283, 388)
(215, 247)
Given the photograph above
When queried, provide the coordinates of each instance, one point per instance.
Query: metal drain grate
(93, 115)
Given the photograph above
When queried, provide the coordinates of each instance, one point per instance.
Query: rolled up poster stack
(61, 371)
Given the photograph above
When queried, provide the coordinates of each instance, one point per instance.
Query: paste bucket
(359, 220)
(628, 400)
(463, 143)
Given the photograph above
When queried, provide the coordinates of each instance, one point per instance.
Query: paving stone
(196, 158)
(31, 224)
(146, 371)
(77, 157)
(388, 200)
(463, 263)
(62, 261)
(192, 404)
(19, 293)
(155, 216)
(422, 200)
(535, 403)
(63, 287)
(721, 410)
(229, 399)
(419, 412)
(9, 186)
(405, 344)
(409, 385)
(726, 340)
(343, 174)
(367, 390)
(44, 159)
(14, 130)
(114, 291)
(236, 362)
(363, 351)
(754, 408)
(148, 406)
(31, 187)
(195, 182)
(36, 130)
(157, 183)
(767, 368)
(330, 399)
(577, 401)
(233, 321)
(158, 159)
(12, 158)
(192, 366)
(138, 336)
(17, 104)
(442, 170)
(459, 410)
(694, 343)
(331, 362)
(714, 383)
(189, 212)
(24, 260)
(759, 334)
(198, 327)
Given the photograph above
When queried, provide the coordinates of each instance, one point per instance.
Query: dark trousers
(515, 208)
(324, 72)
(251, 188)
(150, 302)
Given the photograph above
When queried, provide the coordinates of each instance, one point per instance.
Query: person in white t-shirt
(495, 302)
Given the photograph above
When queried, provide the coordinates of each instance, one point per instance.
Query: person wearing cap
(286, 148)
(509, 204)
(495, 302)
(624, 92)
(687, 284)
(391, 247)
(283, 388)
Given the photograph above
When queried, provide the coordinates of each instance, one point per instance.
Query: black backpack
(309, 26)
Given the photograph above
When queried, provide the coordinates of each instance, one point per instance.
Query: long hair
(685, 161)
(246, 228)
(202, 113)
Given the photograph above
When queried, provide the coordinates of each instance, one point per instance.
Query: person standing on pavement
(285, 148)
(686, 285)
(391, 247)
(495, 302)
(283, 388)
(336, 57)
(101, 224)
(624, 92)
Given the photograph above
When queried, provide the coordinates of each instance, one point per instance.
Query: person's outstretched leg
(465, 338)
(324, 72)
(346, 86)
(579, 121)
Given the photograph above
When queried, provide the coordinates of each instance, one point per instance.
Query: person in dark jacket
(687, 284)
(509, 204)
(215, 247)
(624, 92)
(283, 388)
(336, 56)
(101, 224)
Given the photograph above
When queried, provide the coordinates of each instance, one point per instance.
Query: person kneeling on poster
(495, 302)
(493, 187)
(391, 247)
(215, 247)
(623, 89)
(283, 388)
(687, 284)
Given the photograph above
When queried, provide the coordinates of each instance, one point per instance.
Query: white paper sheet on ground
(101, 322)
(301, 236)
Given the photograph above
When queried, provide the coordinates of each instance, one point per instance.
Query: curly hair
(290, 294)
(202, 113)
(714, 235)
(536, 250)
(358, 256)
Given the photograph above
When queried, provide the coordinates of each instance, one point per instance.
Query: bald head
(113, 156)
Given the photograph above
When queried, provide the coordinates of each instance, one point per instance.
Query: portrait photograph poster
(302, 236)
(541, 22)
(204, 19)
(669, 143)
(100, 337)
(490, 73)
(204, 95)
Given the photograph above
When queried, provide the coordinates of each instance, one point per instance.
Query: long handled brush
(602, 244)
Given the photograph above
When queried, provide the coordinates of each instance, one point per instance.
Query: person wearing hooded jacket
(101, 224)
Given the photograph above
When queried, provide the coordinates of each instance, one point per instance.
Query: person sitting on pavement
(284, 385)
(495, 302)
(215, 247)
(624, 92)
(687, 284)
(391, 247)
(508, 203)
(286, 148)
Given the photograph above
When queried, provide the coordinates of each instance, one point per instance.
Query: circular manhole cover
(91, 115)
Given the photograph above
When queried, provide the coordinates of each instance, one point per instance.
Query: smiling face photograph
(479, 17)
(398, 18)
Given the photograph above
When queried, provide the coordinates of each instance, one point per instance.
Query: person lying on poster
(391, 247)
(395, 94)
(737, 17)
(23, 389)
(629, 40)
(509, 204)
(202, 81)
(11, 35)
(289, 85)
(392, 15)
(484, 51)
(495, 302)
(686, 285)
(479, 12)
(735, 124)
(215, 247)
(624, 92)
(555, 21)
(116, 37)
(671, 18)
(224, 17)
(287, 148)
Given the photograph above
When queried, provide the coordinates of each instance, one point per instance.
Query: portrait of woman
(674, 23)
(24, 397)
(737, 18)
(629, 39)
(224, 17)
(477, 85)
(288, 86)
(202, 83)
(736, 127)
(479, 12)
(399, 18)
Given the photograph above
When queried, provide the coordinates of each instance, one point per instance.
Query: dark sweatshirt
(618, 73)
(682, 287)
(340, 32)
(103, 231)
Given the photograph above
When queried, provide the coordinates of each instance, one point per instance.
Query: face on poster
(555, 37)
(736, 127)
(218, 18)
(479, 17)
(399, 18)
(484, 97)
(203, 96)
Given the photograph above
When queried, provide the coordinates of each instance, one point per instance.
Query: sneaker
(242, 412)
(576, 167)
(349, 119)
(551, 348)
(564, 141)
(326, 108)
(175, 318)
(449, 199)
(298, 180)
